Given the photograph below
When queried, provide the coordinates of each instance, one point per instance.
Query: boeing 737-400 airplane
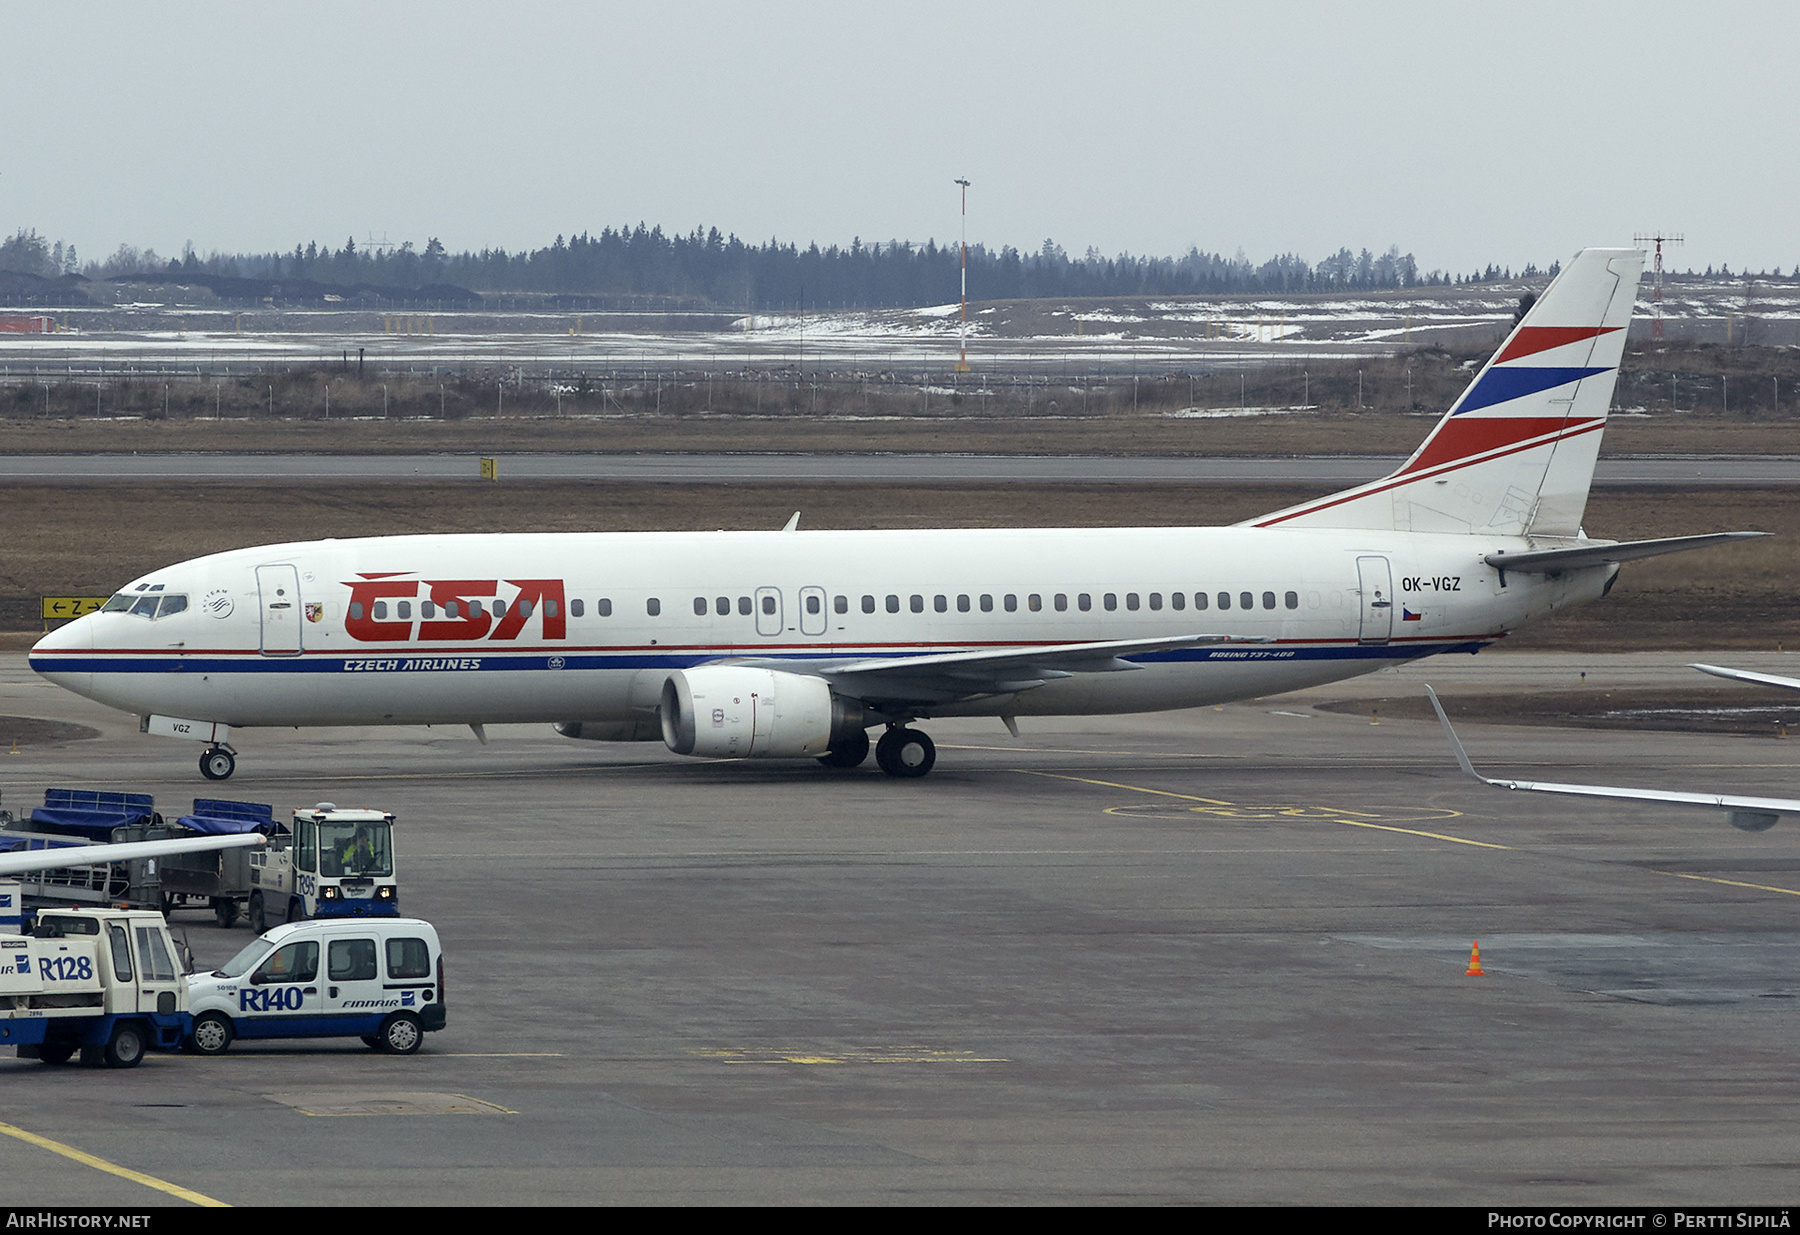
(795, 644)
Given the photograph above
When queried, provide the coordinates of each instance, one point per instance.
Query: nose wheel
(218, 762)
(905, 753)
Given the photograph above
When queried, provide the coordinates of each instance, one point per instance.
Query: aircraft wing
(1744, 675)
(83, 855)
(1750, 814)
(1551, 561)
(945, 676)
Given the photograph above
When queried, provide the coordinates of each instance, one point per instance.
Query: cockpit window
(146, 604)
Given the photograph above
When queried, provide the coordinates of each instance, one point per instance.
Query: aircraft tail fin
(1515, 454)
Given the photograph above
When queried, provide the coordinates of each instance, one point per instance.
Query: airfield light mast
(1656, 320)
(962, 335)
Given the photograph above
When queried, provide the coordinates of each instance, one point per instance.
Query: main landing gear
(218, 762)
(848, 751)
(905, 752)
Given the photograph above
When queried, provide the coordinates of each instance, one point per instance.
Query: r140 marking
(1438, 583)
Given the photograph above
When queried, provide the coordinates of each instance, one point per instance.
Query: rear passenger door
(353, 995)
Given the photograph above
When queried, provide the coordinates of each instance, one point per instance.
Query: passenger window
(1292, 600)
(1199, 600)
(1178, 601)
(1034, 602)
(524, 608)
(475, 610)
(768, 605)
(1246, 600)
(405, 608)
(893, 603)
(962, 603)
(1011, 602)
(940, 604)
(408, 958)
(813, 605)
(868, 604)
(550, 608)
(381, 611)
(1131, 601)
(1268, 600)
(653, 607)
(351, 960)
(987, 603)
(356, 611)
(427, 609)
(121, 952)
(745, 608)
(1110, 601)
(1061, 602)
(500, 608)
(840, 604)
(917, 603)
(294, 962)
(1155, 601)
(1224, 600)
(1084, 602)
(699, 606)
(575, 609)
(603, 607)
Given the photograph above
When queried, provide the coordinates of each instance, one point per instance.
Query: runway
(1212, 956)
(1684, 471)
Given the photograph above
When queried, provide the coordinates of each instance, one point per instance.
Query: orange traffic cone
(1474, 969)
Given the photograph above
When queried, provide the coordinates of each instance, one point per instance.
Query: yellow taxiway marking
(852, 1055)
(112, 1168)
(1354, 823)
(1730, 883)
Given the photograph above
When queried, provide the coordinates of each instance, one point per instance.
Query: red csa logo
(466, 604)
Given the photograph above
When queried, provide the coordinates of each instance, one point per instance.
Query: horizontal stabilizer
(24, 861)
(1749, 814)
(1553, 561)
(1744, 675)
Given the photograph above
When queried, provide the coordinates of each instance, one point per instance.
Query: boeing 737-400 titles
(794, 644)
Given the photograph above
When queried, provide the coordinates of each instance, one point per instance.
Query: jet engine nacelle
(737, 712)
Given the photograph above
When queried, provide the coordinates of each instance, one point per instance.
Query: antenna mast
(962, 334)
(1656, 318)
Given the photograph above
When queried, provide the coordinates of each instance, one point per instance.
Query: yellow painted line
(1730, 883)
(1382, 827)
(112, 1168)
(1107, 784)
(1355, 823)
(500, 1054)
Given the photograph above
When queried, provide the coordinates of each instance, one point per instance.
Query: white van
(380, 979)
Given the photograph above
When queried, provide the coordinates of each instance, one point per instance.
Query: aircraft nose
(60, 655)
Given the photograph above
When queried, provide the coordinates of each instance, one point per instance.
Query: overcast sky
(1464, 133)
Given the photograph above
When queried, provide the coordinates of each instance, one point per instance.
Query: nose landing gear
(905, 752)
(218, 762)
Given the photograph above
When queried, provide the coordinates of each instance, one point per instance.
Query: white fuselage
(316, 633)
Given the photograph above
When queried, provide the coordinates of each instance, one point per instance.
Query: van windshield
(242, 963)
(347, 849)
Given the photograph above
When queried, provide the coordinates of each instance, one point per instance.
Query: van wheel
(126, 1049)
(400, 1034)
(296, 910)
(212, 1034)
(258, 921)
(56, 1052)
(225, 911)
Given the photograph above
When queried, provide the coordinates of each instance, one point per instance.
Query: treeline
(707, 268)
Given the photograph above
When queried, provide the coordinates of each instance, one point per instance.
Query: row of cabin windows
(722, 605)
(1084, 602)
